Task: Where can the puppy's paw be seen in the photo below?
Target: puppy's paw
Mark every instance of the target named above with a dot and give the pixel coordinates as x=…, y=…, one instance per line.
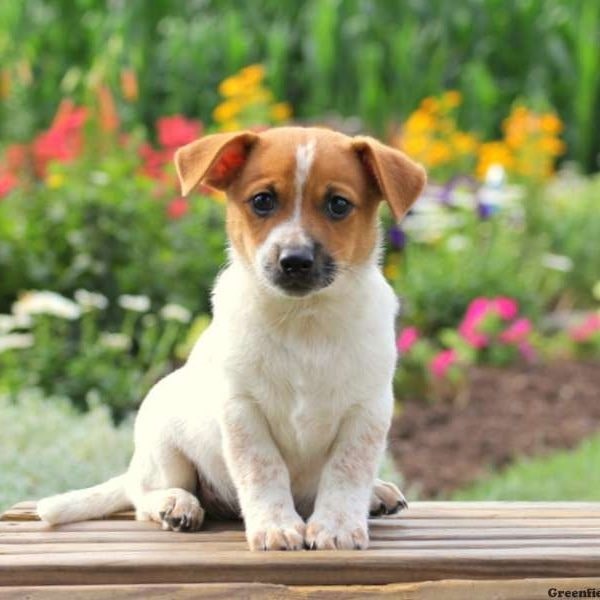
x=180, y=511
x=286, y=535
x=336, y=533
x=386, y=499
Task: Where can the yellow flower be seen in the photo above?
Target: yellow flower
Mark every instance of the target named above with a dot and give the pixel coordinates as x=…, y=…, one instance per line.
x=438, y=153
x=253, y=74
x=414, y=145
x=553, y=146
x=281, y=111
x=419, y=121
x=232, y=86
x=464, y=143
x=452, y=98
x=226, y=111
x=391, y=270
x=258, y=96
x=231, y=126
x=55, y=180
x=430, y=104
x=493, y=153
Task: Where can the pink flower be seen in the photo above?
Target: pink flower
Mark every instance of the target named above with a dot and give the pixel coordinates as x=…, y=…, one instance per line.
x=507, y=308
x=441, y=362
x=585, y=330
x=7, y=183
x=516, y=332
x=178, y=208
x=177, y=131
x=407, y=339
x=476, y=312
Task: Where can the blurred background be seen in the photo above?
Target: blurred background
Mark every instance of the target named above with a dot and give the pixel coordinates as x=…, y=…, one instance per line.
x=105, y=271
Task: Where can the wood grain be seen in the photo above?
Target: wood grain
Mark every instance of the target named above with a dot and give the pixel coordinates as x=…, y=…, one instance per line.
x=521, y=589
x=436, y=542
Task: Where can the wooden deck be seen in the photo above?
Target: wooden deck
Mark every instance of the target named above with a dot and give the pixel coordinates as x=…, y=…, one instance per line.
x=449, y=549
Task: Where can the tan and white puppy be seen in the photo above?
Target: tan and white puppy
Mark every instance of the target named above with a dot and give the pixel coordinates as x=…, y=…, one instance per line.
x=282, y=410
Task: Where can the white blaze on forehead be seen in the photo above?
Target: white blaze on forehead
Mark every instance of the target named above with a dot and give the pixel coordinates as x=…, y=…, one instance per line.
x=291, y=232
x=305, y=155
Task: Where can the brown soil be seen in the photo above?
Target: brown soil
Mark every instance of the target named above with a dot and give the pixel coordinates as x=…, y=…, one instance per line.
x=521, y=411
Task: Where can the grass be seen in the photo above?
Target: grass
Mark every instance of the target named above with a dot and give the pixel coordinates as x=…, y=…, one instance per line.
x=564, y=475
x=47, y=447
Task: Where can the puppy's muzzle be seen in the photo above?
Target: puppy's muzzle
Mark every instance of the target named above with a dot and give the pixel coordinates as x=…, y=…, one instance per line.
x=303, y=268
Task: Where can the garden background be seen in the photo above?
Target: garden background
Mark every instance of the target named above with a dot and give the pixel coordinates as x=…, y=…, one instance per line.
x=105, y=271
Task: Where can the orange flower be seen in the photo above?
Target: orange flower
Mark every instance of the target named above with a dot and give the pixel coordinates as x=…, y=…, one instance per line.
x=550, y=123
x=109, y=119
x=129, y=85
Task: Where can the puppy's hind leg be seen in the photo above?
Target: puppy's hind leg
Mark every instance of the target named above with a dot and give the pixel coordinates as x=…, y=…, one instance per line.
x=162, y=486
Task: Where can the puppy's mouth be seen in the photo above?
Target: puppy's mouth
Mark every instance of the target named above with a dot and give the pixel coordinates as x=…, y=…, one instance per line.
x=301, y=270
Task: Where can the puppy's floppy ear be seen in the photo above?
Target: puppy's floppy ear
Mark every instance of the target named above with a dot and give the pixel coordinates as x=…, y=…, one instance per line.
x=398, y=178
x=214, y=159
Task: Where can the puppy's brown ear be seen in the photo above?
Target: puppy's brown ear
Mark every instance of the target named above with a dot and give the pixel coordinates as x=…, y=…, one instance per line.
x=214, y=159
x=398, y=178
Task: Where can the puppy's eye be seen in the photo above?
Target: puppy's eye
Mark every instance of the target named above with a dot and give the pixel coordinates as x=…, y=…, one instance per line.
x=338, y=207
x=263, y=204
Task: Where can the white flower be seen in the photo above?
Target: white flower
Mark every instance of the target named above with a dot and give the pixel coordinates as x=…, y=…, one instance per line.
x=14, y=341
x=7, y=323
x=176, y=312
x=115, y=341
x=557, y=262
x=134, y=303
x=88, y=300
x=456, y=243
x=46, y=303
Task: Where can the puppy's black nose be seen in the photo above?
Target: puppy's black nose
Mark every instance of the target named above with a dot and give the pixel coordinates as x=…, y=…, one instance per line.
x=297, y=262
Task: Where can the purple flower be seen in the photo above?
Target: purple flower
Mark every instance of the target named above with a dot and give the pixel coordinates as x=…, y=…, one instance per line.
x=485, y=210
x=397, y=237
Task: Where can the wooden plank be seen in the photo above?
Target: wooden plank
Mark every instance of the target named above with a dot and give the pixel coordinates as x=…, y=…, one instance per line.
x=24, y=511
x=522, y=589
x=296, y=568
x=156, y=535
x=378, y=527
x=241, y=546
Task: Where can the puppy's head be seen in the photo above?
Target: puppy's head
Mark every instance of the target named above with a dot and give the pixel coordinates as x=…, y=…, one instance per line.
x=302, y=202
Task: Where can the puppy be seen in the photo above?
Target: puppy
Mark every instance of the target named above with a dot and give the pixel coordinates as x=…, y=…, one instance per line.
x=282, y=410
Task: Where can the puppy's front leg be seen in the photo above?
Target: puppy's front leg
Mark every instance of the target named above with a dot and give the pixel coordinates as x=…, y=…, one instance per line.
x=342, y=505
x=262, y=480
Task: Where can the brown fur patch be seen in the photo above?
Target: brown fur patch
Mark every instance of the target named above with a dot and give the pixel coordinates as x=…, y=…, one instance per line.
x=336, y=169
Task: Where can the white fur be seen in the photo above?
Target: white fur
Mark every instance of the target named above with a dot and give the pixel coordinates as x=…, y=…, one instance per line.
x=305, y=156
x=282, y=407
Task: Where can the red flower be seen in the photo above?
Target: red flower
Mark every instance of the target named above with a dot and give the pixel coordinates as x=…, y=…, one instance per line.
x=178, y=208
x=177, y=131
x=16, y=157
x=154, y=161
x=7, y=183
x=63, y=141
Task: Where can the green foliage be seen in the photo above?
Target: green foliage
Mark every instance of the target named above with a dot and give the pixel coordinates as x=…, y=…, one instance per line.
x=46, y=447
x=393, y=55
x=88, y=357
x=564, y=475
x=104, y=228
